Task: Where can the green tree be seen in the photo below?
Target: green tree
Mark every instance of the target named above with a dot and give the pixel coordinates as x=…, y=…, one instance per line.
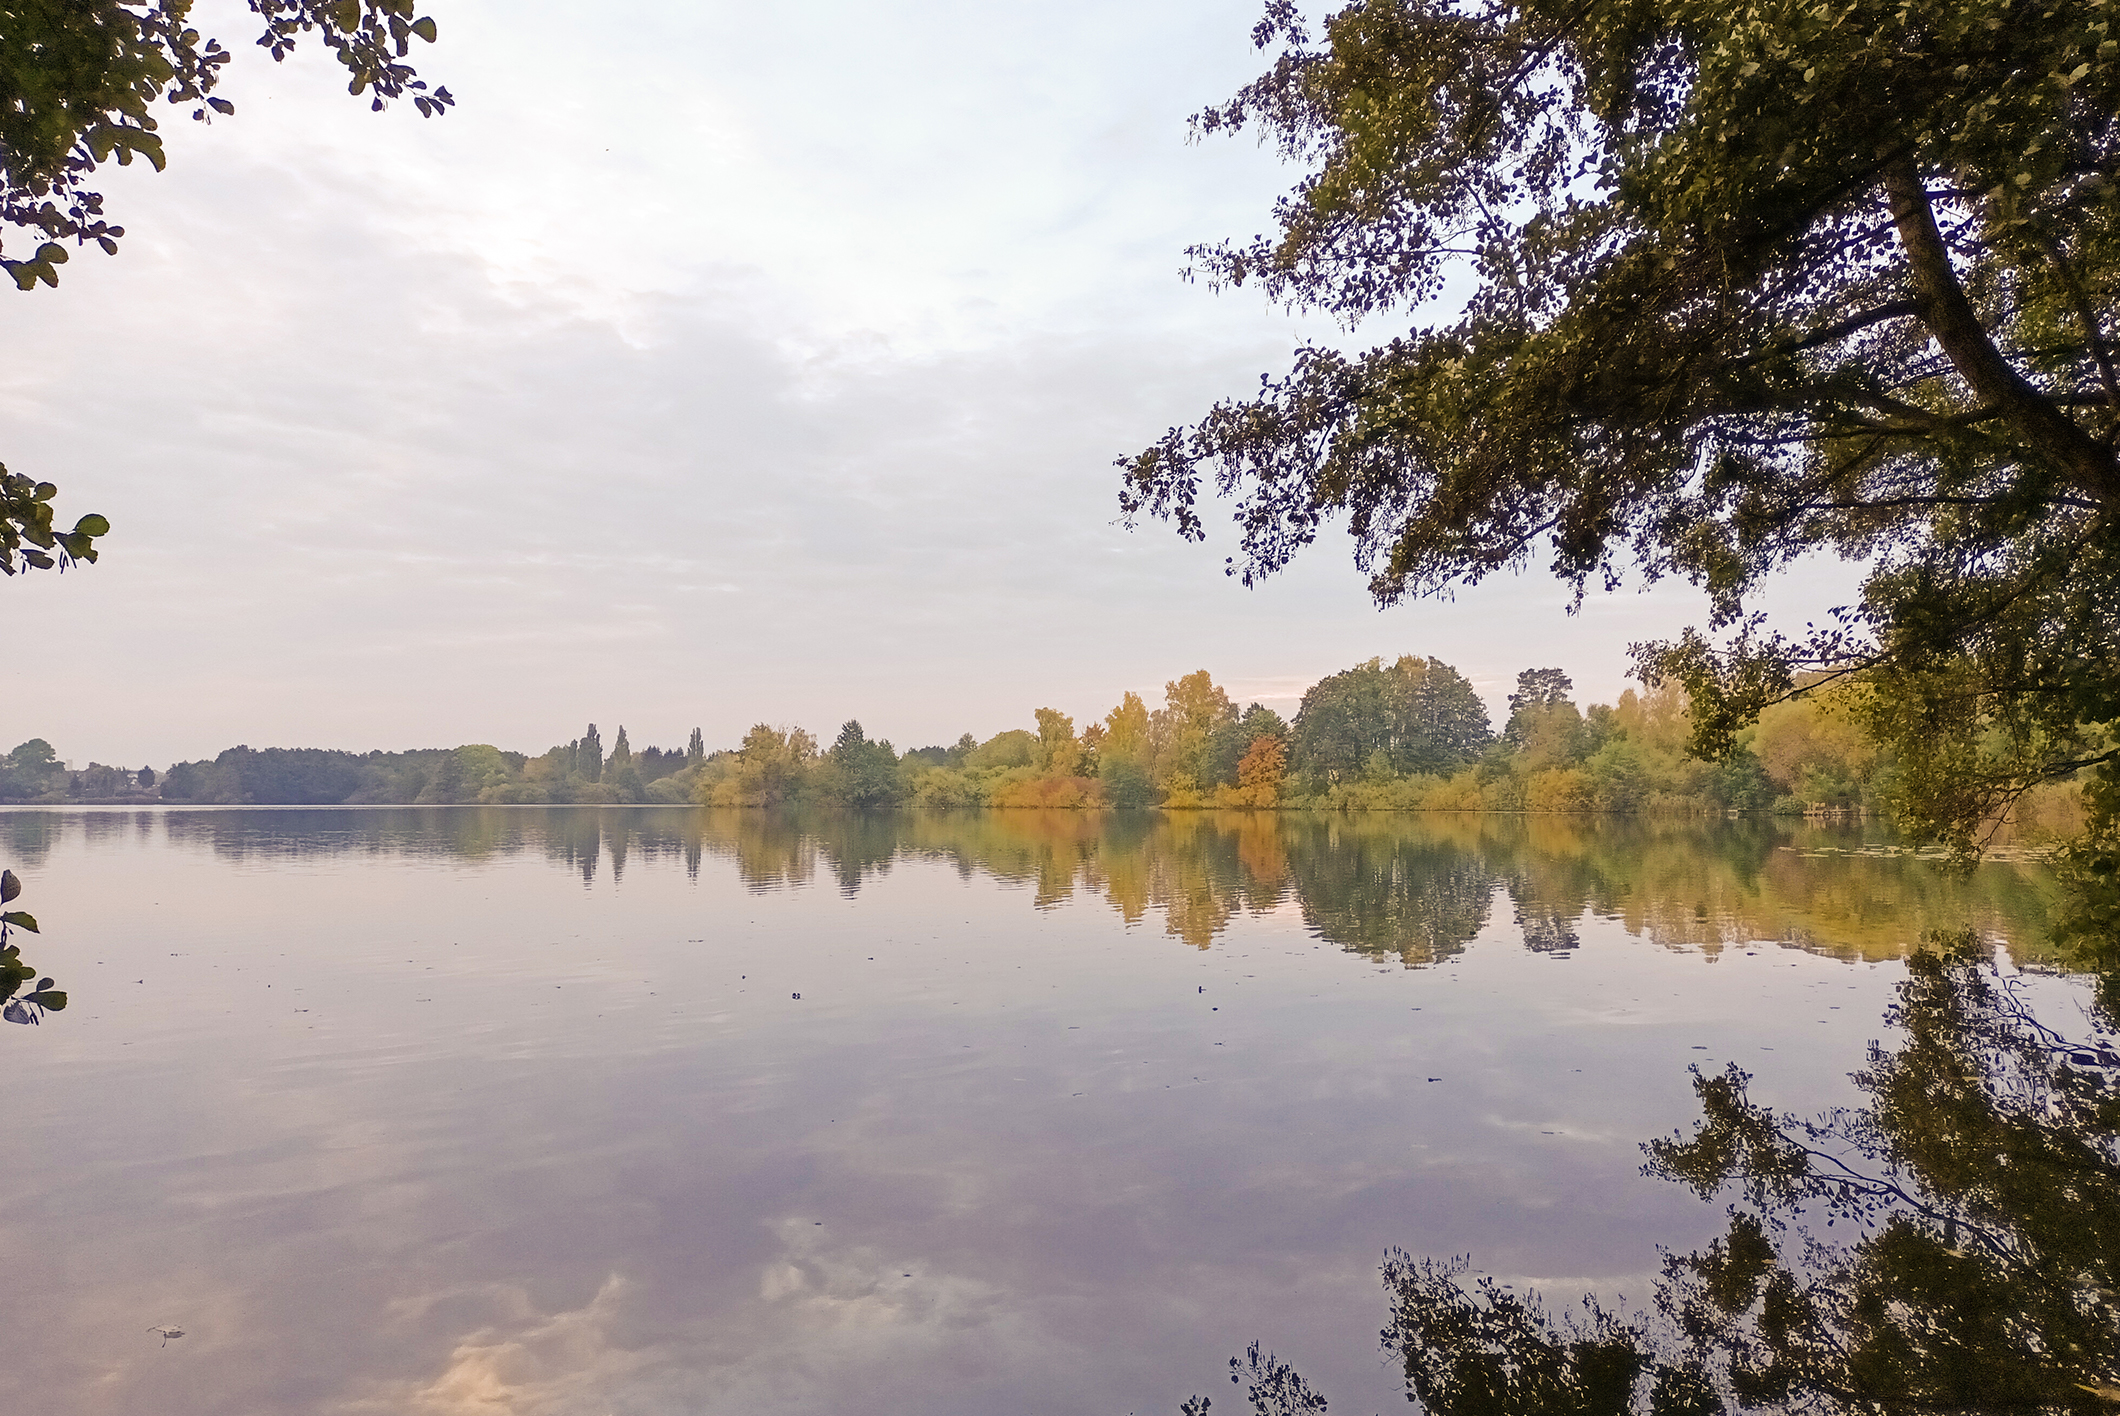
x=1421, y=715
x=31, y=770
x=1342, y=720
x=1437, y=722
x=696, y=749
x=1745, y=283
x=1540, y=688
x=622, y=772
x=446, y=783
x=1545, y=727
x=867, y=772
x=1011, y=748
x=589, y=755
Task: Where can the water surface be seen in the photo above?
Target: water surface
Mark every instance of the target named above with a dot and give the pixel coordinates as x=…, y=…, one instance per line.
x=578, y=1110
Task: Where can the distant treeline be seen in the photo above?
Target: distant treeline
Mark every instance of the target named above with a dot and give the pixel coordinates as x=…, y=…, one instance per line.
x=1409, y=735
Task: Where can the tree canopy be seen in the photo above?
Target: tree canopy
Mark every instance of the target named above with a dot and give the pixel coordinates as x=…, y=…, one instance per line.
x=1742, y=283
x=1421, y=714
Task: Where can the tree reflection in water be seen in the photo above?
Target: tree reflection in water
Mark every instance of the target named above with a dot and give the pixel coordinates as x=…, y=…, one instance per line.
x=1415, y=887
x=1973, y=1204
x=1947, y=1247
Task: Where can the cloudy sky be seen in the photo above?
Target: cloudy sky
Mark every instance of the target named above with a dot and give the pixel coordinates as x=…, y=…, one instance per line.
x=710, y=364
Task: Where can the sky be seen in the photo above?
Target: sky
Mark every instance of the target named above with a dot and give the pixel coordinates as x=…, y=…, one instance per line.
x=709, y=364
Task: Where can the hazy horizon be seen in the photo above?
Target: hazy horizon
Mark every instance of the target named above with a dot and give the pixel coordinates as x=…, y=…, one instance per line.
x=711, y=367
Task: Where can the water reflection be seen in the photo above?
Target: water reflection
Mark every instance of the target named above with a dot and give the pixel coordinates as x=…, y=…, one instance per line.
x=1417, y=888
x=898, y=1113
x=1951, y=1244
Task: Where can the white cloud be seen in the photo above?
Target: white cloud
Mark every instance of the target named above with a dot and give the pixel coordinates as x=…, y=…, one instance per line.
x=710, y=364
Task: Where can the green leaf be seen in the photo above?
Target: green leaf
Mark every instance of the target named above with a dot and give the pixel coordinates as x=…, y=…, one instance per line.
x=54, y=999
x=20, y=919
x=424, y=28
x=92, y=525
x=53, y=252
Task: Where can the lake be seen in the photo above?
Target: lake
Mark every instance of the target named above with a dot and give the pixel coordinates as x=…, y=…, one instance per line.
x=615, y=1111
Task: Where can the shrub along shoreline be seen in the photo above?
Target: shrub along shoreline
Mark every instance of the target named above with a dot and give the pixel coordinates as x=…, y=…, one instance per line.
x=1406, y=736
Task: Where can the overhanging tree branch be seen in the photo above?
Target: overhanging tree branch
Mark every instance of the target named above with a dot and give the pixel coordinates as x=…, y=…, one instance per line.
x=1950, y=317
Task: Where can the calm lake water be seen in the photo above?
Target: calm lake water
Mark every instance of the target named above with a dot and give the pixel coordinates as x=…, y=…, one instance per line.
x=594, y=1111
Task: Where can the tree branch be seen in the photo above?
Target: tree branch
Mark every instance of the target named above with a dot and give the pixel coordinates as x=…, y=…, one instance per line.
x=2092, y=334
x=1950, y=318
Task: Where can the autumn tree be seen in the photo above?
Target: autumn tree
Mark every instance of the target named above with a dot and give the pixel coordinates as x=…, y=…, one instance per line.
x=1126, y=754
x=1058, y=751
x=1228, y=745
x=772, y=764
x=1744, y=283
x=1260, y=771
x=1194, y=707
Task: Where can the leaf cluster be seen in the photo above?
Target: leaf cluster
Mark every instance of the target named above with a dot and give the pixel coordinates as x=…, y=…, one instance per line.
x=79, y=80
x=41, y=997
x=28, y=535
